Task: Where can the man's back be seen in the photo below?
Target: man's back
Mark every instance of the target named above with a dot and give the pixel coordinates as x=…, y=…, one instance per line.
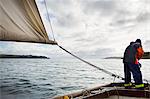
x=130, y=53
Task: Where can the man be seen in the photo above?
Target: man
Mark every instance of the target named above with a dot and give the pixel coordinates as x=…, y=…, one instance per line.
x=132, y=55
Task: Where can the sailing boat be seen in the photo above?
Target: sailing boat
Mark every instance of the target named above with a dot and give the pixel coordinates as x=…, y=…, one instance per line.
x=20, y=21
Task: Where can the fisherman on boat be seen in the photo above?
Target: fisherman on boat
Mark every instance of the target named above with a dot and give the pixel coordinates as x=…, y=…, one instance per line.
x=133, y=53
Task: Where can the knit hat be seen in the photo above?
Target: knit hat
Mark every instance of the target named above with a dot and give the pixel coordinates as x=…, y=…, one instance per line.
x=138, y=40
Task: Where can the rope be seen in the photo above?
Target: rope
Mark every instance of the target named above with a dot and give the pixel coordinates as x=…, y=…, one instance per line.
x=114, y=79
x=85, y=93
x=116, y=89
x=103, y=70
x=49, y=20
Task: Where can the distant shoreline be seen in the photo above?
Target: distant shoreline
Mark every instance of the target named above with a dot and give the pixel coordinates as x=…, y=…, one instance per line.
x=23, y=56
x=145, y=56
x=120, y=58
x=113, y=58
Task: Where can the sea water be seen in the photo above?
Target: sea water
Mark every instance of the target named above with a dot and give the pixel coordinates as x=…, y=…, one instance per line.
x=46, y=78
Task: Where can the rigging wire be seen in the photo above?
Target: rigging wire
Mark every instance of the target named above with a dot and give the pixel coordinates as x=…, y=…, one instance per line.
x=49, y=20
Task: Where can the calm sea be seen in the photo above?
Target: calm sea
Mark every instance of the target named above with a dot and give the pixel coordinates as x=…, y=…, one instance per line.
x=46, y=78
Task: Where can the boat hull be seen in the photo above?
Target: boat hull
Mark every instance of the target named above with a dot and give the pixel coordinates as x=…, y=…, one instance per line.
x=110, y=91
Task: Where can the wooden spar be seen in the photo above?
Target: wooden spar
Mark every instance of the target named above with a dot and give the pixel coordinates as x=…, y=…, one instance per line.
x=50, y=42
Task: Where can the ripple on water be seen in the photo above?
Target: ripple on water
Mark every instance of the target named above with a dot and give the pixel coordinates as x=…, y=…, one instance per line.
x=42, y=79
x=68, y=88
x=24, y=80
x=20, y=91
x=47, y=84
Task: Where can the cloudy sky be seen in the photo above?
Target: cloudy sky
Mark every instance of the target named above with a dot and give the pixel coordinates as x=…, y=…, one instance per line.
x=94, y=28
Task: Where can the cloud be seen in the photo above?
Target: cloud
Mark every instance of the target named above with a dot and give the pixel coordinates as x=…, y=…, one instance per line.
x=64, y=17
x=102, y=7
x=91, y=27
x=127, y=19
x=143, y=17
x=98, y=53
x=129, y=16
x=147, y=45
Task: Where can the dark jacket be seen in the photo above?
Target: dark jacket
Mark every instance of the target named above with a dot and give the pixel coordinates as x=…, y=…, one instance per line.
x=131, y=53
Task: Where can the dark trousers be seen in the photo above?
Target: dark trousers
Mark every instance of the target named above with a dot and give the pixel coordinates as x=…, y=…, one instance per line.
x=135, y=70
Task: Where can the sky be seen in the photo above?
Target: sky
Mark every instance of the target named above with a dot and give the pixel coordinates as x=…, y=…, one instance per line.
x=89, y=28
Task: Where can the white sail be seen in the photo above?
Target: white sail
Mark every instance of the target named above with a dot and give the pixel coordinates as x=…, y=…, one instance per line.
x=20, y=21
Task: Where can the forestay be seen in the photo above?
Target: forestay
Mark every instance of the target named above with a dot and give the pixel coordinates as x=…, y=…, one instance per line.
x=20, y=21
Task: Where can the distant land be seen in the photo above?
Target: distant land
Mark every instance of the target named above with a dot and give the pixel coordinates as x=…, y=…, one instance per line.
x=21, y=56
x=113, y=58
x=145, y=56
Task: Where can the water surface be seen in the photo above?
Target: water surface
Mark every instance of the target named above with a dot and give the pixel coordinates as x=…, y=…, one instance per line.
x=46, y=78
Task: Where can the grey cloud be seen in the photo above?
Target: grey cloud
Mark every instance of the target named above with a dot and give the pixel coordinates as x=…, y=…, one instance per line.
x=104, y=7
x=124, y=17
x=143, y=17
x=54, y=3
x=93, y=39
x=124, y=22
x=147, y=2
x=60, y=11
x=83, y=40
x=103, y=51
x=75, y=36
x=121, y=18
x=67, y=20
x=100, y=53
x=147, y=44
